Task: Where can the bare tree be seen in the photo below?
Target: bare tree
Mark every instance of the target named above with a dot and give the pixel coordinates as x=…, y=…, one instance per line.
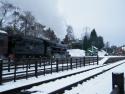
x=69, y=38
x=28, y=21
x=4, y=10
x=70, y=34
x=38, y=30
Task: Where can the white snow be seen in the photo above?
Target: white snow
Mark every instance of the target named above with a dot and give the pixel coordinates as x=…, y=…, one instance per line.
x=101, y=62
x=1, y=31
x=102, y=53
x=23, y=82
x=76, y=52
x=81, y=53
x=101, y=84
x=55, y=85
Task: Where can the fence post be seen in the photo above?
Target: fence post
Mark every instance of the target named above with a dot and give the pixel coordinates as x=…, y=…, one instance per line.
x=57, y=62
x=71, y=63
x=29, y=63
x=1, y=69
x=84, y=61
x=97, y=59
x=93, y=60
x=26, y=67
x=44, y=66
x=23, y=63
x=62, y=64
x=40, y=62
x=80, y=61
x=36, y=69
x=51, y=65
x=88, y=60
x=118, y=80
x=76, y=63
x=67, y=63
x=15, y=68
x=9, y=61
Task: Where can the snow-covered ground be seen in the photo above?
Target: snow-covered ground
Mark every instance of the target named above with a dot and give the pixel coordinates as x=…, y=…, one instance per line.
x=24, y=82
x=101, y=62
x=81, y=53
x=101, y=84
x=102, y=53
x=76, y=52
x=55, y=85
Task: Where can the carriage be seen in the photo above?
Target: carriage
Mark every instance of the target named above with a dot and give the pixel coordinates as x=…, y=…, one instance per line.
x=27, y=46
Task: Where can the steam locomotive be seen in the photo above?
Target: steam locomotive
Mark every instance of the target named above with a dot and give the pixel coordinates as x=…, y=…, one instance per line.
x=24, y=46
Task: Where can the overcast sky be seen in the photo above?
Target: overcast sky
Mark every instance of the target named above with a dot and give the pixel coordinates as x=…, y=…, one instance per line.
x=106, y=16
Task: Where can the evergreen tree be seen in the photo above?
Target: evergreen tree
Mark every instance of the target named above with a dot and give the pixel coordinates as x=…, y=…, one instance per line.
x=93, y=38
x=66, y=39
x=100, y=42
x=85, y=43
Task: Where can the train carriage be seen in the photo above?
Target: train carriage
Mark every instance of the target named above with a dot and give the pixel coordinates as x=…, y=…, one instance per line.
x=26, y=46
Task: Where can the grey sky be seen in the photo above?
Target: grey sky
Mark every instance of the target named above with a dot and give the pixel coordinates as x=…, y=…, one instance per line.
x=106, y=16
x=46, y=12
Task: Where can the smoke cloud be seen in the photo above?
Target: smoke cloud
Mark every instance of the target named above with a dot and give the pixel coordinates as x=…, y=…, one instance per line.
x=46, y=12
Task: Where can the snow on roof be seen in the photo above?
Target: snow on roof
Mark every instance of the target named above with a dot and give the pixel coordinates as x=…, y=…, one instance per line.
x=76, y=52
x=90, y=51
x=94, y=47
x=1, y=31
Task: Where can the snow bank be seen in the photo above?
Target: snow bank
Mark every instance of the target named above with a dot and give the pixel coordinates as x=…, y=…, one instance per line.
x=102, y=53
x=81, y=53
x=101, y=62
x=76, y=52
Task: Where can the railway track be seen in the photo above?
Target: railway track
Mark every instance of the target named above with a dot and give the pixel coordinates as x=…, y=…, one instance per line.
x=98, y=70
x=82, y=77
x=47, y=81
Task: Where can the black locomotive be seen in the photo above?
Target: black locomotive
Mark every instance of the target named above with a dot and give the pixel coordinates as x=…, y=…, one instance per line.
x=26, y=46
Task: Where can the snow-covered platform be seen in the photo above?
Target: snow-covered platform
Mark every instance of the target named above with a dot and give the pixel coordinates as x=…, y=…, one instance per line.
x=33, y=80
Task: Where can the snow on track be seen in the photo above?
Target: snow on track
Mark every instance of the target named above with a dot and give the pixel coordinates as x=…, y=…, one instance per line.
x=60, y=83
x=32, y=80
x=101, y=84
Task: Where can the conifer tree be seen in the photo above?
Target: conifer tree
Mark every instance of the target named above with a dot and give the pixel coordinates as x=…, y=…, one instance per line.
x=100, y=42
x=94, y=38
x=85, y=43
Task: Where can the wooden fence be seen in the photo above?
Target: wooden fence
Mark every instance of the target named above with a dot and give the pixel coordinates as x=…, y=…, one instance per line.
x=29, y=67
